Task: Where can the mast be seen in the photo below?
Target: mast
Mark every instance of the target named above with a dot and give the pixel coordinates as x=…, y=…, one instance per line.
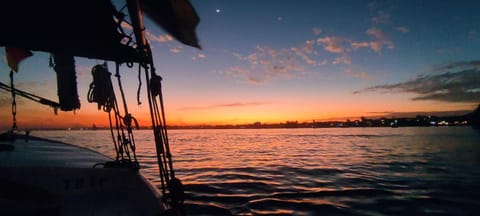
x=136, y=19
x=175, y=194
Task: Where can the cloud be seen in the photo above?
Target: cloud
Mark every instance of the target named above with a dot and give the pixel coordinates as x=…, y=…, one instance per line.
x=308, y=47
x=268, y=63
x=357, y=45
x=317, y=31
x=83, y=71
x=331, y=44
x=198, y=56
x=380, y=40
x=381, y=17
x=460, y=64
x=159, y=39
x=343, y=59
x=149, y=35
x=20, y=101
x=5, y=99
x=175, y=50
x=305, y=51
x=125, y=25
x=460, y=86
x=265, y=63
x=358, y=74
x=324, y=62
x=473, y=35
x=227, y=105
x=377, y=33
x=237, y=55
x=168, y=37
x=402, y=29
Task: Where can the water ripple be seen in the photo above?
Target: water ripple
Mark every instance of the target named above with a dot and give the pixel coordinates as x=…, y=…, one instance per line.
x=336, y=171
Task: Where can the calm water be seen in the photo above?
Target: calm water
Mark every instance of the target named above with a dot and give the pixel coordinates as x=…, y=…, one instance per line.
x=341, y=171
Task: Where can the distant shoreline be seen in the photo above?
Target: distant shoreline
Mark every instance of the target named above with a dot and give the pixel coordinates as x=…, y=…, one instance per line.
x=418, y=121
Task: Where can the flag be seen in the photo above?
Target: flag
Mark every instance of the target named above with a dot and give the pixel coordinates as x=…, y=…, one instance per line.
x=15, y=56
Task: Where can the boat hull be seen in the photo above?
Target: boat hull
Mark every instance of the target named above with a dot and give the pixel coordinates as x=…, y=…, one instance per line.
x=44, y=177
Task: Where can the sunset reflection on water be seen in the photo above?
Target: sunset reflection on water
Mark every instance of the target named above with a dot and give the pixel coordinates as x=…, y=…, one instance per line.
x=340, y=171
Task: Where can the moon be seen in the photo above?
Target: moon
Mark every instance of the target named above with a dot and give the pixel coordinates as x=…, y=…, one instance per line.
x=217, y=10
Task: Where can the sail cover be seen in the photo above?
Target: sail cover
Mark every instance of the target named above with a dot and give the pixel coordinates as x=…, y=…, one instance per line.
x=177, y=17
x=83, y=28
x=86, y=28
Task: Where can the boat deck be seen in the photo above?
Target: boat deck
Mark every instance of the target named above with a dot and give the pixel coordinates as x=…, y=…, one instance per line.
x=27, y=151
x=45, y=177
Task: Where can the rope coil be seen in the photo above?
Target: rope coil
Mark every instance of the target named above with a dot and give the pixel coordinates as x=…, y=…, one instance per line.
x=101, y=89
x=101, y=92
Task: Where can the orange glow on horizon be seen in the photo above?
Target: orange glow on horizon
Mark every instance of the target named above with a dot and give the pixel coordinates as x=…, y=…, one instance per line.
x=43, y=117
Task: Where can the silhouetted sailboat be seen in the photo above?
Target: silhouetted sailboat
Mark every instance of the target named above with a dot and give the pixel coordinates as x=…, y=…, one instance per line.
x=47, y=177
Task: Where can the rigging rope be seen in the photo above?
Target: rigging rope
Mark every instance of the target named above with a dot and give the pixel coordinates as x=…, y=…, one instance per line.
x=127, y=119
x=139, y=84
x=30, y=96
x=14, y=103
x=175, y=195
x=101, y=92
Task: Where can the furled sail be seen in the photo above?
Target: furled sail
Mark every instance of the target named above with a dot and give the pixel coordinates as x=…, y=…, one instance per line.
x=87, y=28
x=177, y=17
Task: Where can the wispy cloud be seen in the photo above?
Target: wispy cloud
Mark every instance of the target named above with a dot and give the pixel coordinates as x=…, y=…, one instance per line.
x=83, y=71
x=357, y=45
x=175, y=50
x=226, y=105
x=456, y=65
x=402, y=29
x=342, y=60
x=42, y=87
x=158, y=38
x=198, y=56
x=267, y=63
x=380, y=40
x=331, y=44
x=125, y=25
x=5, y=99
x=149, y=35
x=357, y=74
x=381, y=17
x=460, y=86
x=473, y=35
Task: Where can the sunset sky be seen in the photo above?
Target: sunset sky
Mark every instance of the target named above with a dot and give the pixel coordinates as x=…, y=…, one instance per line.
x=274, y=61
